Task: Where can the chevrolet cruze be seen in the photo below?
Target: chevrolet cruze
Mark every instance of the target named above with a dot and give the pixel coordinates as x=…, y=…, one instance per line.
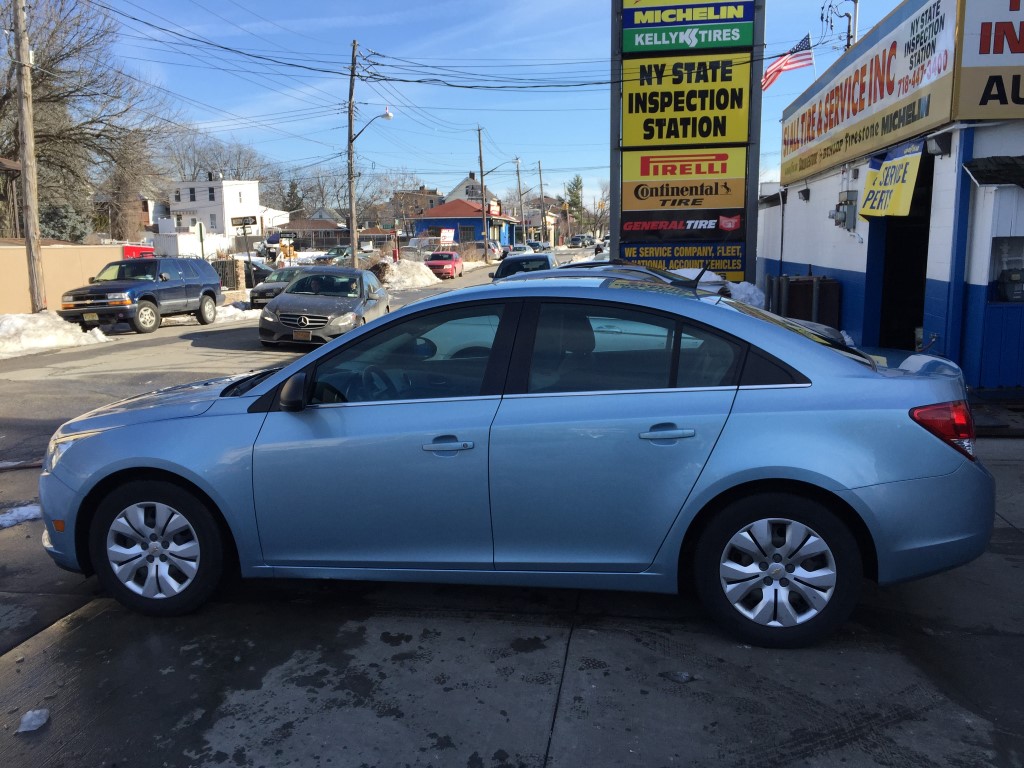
x=574, y=432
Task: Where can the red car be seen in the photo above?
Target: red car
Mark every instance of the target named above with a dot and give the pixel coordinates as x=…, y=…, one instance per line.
x=445, y=264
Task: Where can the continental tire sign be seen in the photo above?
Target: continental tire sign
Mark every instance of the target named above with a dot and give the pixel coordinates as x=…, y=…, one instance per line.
x=694, y=101
x=678, y=180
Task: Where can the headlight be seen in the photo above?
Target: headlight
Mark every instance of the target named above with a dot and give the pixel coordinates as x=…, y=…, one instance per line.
x=349, y=318
x=267, y=314
x=122, y=299
x=67, y=298
x=58, y=446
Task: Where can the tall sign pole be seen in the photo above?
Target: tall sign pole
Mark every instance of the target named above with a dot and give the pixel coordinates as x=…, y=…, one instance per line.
x=683, y=128
x=483, y=198
x=353, y=226
x=30, y=187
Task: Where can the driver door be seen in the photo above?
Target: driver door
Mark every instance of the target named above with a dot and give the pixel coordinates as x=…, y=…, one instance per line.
x=387, y=466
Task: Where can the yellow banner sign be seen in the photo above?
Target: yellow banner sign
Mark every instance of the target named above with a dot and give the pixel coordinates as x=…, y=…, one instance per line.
x=691, y=101
x=889, y=188
x=896, y=83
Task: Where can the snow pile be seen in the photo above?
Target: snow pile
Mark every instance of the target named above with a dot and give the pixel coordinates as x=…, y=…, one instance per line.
x=405, y=275
x=747, y=293
x=229, y=313
x=19, y=515
x=44, y=330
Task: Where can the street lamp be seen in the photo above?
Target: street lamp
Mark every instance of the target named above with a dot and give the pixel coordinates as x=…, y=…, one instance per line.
x=352, y=136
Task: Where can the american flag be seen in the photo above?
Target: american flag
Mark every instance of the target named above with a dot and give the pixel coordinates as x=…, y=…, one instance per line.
x=800, y=55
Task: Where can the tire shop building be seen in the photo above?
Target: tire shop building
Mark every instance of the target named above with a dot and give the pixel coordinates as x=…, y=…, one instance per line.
x=902, y=189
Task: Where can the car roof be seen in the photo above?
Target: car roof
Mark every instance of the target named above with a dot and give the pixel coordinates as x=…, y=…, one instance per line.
x=316, y=269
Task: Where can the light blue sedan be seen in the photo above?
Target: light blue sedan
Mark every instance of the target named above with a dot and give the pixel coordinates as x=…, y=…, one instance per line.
x=574, y=432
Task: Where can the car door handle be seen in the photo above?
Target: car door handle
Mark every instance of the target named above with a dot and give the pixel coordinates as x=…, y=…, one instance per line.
x=668, y=434
x=457, y=445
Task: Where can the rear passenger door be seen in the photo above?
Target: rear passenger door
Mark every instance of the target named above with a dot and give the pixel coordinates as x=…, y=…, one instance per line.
x=171, y=293
x=193, y=282
x=603, y=434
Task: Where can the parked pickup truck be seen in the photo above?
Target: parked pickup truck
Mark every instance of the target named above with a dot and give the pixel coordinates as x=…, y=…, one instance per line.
x=142, y=291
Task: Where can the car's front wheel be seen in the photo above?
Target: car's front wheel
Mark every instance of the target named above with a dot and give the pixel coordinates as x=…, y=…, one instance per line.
x=147, y=317
x=207, y=311
x=156, y=548
x=778, y=570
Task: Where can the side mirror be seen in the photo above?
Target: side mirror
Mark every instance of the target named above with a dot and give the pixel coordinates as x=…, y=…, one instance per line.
x=92, y=280
x=293, y=393
x=491, y=274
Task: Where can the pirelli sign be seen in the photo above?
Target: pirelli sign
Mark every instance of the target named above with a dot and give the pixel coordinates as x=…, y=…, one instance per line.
x=683, y=180
x=685, y=131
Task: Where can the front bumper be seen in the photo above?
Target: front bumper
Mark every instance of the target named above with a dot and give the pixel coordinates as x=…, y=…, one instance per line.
x=58, y=502
x=99, y=315
x=276, y=332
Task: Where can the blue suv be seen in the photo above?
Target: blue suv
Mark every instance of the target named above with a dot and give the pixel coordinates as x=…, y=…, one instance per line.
x=142, y=291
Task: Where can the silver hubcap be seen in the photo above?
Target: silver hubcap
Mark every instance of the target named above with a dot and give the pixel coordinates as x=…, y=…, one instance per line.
x=778, y=572
x=153, y=550
x=147, y=316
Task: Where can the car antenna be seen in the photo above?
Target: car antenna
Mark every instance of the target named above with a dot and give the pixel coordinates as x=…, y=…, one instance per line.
x=693, y=283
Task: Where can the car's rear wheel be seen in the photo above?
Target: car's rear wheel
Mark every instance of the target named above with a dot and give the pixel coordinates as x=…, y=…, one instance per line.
x=147, y=317
x=207, y=311
x=156, y=548
x=778, y=570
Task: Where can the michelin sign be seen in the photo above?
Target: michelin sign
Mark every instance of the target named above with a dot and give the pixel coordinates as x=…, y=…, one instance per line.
x=654, y=26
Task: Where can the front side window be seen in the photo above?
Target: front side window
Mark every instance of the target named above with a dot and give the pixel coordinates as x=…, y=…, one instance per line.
x=436, y=355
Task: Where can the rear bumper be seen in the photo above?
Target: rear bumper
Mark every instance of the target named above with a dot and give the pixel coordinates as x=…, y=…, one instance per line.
x=926, y=526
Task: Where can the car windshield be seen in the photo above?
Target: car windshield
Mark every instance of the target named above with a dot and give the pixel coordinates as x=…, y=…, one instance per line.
x=283, y=275
x=326, y=285
x=128, y=270
x=440, y=257
x=520, y=265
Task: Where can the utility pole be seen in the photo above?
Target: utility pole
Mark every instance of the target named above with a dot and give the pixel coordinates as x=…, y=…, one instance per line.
x=30, y=187
x=353, y=227
x=483, y=201
x=522, y=211
x=543, y=208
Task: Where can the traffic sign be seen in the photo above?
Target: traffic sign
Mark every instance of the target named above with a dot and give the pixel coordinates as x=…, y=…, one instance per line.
x=243, y=221
x=289, y=235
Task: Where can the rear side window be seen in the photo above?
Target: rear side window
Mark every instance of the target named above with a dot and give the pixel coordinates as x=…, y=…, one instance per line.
x=187, y=268
x=763, y=370
x=170, y=266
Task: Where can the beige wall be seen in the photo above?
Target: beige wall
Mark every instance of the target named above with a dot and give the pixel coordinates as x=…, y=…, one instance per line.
x=64, y=267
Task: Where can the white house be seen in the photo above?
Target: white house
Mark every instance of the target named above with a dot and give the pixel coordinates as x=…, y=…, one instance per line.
x=214, y=202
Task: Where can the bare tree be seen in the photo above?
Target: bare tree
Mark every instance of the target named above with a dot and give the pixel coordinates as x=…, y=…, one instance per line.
x=85, y=105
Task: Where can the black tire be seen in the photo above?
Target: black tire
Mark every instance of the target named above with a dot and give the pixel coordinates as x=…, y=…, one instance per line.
x=147, y=317
x=161, y=574
x=782, y=617
x=207, y=312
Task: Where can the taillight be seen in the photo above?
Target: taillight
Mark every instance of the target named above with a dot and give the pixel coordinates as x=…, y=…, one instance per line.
x=951, y=422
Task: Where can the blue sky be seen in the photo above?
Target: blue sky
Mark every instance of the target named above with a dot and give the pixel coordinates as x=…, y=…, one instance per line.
x=291, y=110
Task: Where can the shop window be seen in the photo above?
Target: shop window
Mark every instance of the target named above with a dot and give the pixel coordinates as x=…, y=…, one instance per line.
x=1008, y=268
